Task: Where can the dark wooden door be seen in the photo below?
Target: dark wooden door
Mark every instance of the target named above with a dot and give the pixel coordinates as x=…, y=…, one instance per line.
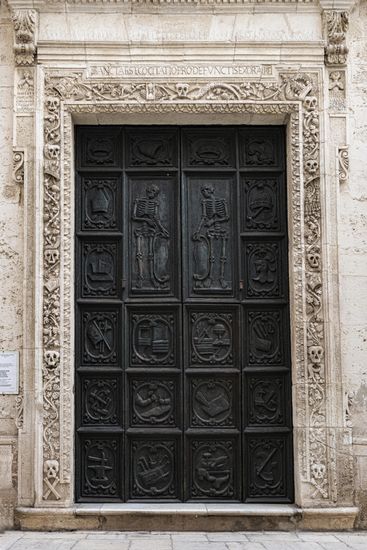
x=183, y=382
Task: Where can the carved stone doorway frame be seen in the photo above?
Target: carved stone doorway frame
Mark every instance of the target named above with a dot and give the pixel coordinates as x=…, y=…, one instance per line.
x=294, y=99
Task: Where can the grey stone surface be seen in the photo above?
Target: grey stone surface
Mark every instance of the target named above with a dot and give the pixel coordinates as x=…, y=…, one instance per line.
x=99, y=540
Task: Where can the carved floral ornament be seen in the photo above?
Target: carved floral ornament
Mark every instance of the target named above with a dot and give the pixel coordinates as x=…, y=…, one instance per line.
x=24, y=36
x=72, y=93
x=336, y=50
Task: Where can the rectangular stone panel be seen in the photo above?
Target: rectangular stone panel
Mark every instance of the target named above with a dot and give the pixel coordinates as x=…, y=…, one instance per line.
x=154, y=245
x=154, y=336
x=100, y=399
x=149, y=147
x=100, y=464
x=100, y=197
x=99, y=148
x=154, y=467
x=210, y=235
x=262, y=203
x=154, y=400
x=208, y=148
x=261, y=148
x=214, y=468
x=213, y=401
x=267, y=399
x=266, y=461
x=101, y=268
x=99, y=343
x=212, y=336
x=266, y=336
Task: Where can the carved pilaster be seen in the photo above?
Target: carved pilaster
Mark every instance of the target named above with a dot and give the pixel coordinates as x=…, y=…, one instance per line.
x=25, y=36
x=336, y=24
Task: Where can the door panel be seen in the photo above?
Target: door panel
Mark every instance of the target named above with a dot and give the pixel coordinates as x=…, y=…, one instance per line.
x=183, y=381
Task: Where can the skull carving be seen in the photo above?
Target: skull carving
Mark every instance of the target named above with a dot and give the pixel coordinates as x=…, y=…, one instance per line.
x=51, y=469
x=316, y=353
x=313, y=259
x=52, y=255
x=52, y=358
x=182, y=89
x=312, y=166
x=52, y=151
x=318, y=470
x=310, y=103
x=52, y=103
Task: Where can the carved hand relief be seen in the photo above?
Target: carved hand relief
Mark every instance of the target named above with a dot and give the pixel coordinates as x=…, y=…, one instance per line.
x=212, y=334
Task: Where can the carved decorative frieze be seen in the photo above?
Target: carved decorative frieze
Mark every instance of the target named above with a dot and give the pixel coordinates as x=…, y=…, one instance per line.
x=81, y=95
x=25, y=31
x=336, y=49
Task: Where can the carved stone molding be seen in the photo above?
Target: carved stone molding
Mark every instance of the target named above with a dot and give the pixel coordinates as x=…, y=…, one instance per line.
x=18, y=166
x=25, y=36
x=294, y=95
x=343, y=164
x=336, y=49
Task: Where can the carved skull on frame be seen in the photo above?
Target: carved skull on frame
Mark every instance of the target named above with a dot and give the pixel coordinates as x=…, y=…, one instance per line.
x=316, y=354
x=318, y=470
x=52, y=357
x=51, y=468
x=310, y=103
x=312, y=166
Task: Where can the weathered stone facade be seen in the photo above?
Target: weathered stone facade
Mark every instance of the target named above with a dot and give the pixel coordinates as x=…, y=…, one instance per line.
x=301, y=64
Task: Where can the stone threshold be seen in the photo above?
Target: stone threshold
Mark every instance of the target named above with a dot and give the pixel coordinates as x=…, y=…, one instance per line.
x=185, y=517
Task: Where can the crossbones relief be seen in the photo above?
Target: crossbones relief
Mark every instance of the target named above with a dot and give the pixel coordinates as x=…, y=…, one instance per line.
x=51, y=479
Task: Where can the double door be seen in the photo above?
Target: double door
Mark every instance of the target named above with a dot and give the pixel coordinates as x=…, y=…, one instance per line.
x=183, y=386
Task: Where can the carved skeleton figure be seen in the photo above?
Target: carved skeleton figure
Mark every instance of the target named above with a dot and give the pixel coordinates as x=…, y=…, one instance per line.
x=150, y=229
x=212, y=227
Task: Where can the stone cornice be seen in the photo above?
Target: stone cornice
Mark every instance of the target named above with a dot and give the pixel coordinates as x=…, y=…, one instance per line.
x=39, y=4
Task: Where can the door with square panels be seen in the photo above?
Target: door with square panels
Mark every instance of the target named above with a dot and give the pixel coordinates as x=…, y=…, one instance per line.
x=183, y=375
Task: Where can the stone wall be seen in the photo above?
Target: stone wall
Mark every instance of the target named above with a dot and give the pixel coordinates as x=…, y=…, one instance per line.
x=353, y=253
x=11, y=266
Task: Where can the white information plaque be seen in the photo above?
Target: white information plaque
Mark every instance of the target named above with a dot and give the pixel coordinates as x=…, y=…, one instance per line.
x=9, y=372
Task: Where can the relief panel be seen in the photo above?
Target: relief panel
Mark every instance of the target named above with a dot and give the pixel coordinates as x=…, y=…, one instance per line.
x=153, y=235
x=266, y=335
x=101, y=204
x=101, y=263
x=260, y=148
x=213, y=401
x=100, y=398
x=210, y=236
x=153, y=337
x=101, y=467
x=214, y=467
x=154, y=468
x=209, y=148
x=99, y=336
x=263, y=270
x=99, y=148
x=154, y=401
x=266, y=399
x=266, y=468
x=261, y=199
x=212, y=337
x=150, y=148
